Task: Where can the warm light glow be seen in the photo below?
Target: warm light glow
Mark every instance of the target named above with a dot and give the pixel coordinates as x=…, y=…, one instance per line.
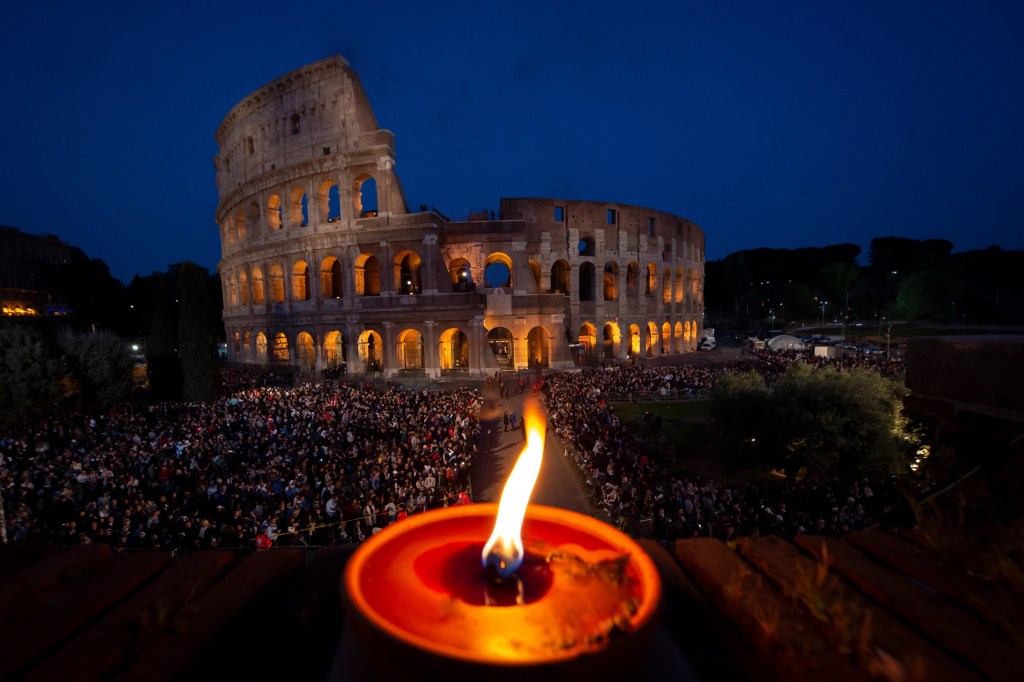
x=503, y=552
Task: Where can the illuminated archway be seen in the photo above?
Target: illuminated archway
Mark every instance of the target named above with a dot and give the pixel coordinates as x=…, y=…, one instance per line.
x=610, y=339
x=410, y=349
x=537, y=347
x=364, y=196
x=634, y=340
x=611, y=281
x=680, y=347
x=406, y=267
x=503, y=346
x=498, y=270
x=652, y=339
x=680, y=285
x=280, y=350
x=454, y=349
x=305, y=352
x=461, y=273
x=331, y=282
x=687, y=333
x=334, y=349
x=652, y=279
x=330, y=201
x=560, y=277
x=371, y=351
x=367, y=275
x=587, y=339
x=535, y=270
x=274, y=212
x=300, y=281
x=666, y=338
x=257, y=286
x=261, y=349
x=276, y=283
x=298, y=207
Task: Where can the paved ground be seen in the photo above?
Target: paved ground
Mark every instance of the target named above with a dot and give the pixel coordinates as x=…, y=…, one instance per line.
x=557, y=485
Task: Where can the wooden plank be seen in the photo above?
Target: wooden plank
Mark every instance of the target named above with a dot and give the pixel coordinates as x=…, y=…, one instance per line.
x=198, y=624
x=790, y=644
x=932, y=567
x=60, y=612
x=116, y=639
x=879, y=642
x=19, y=591
x=949, y=626
x=697, y=626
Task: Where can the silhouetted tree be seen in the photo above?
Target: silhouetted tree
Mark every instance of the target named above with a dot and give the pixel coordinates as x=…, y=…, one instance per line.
x=162, y=363
x=30, y=372
x=100, y=364
x=197, y=342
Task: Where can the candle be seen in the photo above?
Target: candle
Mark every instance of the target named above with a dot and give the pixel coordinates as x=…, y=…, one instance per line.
x=452, y=590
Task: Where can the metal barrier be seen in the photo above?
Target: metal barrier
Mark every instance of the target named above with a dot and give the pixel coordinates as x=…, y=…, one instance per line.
x=652, y=396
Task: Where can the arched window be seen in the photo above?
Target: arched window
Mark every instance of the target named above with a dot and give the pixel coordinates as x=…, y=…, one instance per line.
x=305, y=352
x=610, y=338
x=461, y=274
x=334, y=349
x=298, y=208
x=410, y=349
x=300, y=281
x=666, y=338
x=586, y=246
x=634, y=340
x=281, y=348
x=243, y=287
x=586, y=281
x=454, y=350
x=330, y=202
x=330, y=278
x=276, y=284
x=371, y=351
x=407, y=267
x=274, y=212
x=587, y=340
x=560, y=277
x=367, y=275
x=666, y=286
x=498, y=270
x=652, y=279
x=679, y=347
x=611, y=281
x=258, y=295
x=364, y=193
x=680, y=285
x=503, y=346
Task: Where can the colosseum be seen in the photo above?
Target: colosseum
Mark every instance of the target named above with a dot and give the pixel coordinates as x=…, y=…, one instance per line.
x=324, y=266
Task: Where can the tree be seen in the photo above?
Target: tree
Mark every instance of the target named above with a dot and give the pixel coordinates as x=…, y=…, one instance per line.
x=929, y=294
x=197, y=343
x=100, y=363
x=839, y=278
x=162, y=363
x=30, y=372
x=831, y=423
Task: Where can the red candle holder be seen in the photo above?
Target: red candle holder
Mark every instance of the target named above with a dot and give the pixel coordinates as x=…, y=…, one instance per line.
x=584, y=602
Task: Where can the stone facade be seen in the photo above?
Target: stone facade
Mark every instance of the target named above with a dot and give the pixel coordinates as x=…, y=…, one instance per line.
x=323, y=264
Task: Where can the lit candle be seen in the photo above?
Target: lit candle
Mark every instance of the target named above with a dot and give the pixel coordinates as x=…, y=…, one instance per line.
x=568, y=596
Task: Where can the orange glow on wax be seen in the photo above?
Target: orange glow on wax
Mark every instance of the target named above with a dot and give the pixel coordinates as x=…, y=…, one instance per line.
x=503, y=552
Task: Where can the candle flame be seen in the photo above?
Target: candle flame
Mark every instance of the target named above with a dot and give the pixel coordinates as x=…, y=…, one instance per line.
x=503, y=552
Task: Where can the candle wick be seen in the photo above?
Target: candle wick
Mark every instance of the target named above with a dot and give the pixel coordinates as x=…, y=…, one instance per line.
x=497, y=588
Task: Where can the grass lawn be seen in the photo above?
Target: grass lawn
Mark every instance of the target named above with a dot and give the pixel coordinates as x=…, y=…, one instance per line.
x=683, y=423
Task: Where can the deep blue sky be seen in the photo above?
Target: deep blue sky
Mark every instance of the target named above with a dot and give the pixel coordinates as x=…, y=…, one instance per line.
x=779, y=124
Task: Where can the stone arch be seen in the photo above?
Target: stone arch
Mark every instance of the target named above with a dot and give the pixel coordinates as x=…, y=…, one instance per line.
x=237, y=339
x=246, y=346
x=453, y=352
x=371, y=351
x=280, y=349
x=329, y=198
x=535, y=269
x=666, y=286
x=274, y=212
x=410, y=349
x=331, y=281
x=407, y=267
x=632, y=279
x=276, y=283
x=364, y=196
x=687, y=332
x=666, y=338
x=610, y=338
x=261, y=349
x=240, y=227
x=298, y=207
x=666, y=252
x=300, y=281
x=680, y=285
x=560, y=277
x=254, y=213
x=233, y=290
x=694, y=279
x=258, y=293
x=652, y=339
x=680, y=347
x=587, y=281
x=243, y=287
x=634, y=340
x=367, y=275
x=305, y=352
x=502, y=344
x=652, y=279
x=537, y=351
x=587, y=340
x=334, y=349
x=461, y=272
x=498, y=270
x=611, y=281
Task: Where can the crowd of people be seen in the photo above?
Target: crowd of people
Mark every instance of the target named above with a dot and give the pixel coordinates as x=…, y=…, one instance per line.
x=636, y=490
x=316, y=465
x=334, y=463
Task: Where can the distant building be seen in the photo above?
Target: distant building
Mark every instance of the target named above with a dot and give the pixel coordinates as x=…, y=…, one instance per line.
x=323, y=264
x=24, y=262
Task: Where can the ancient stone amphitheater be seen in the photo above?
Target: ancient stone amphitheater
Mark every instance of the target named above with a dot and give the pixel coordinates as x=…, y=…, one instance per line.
x=325, y=267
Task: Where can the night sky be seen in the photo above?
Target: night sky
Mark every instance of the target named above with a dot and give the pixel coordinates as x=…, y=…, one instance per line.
x=777, y=124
